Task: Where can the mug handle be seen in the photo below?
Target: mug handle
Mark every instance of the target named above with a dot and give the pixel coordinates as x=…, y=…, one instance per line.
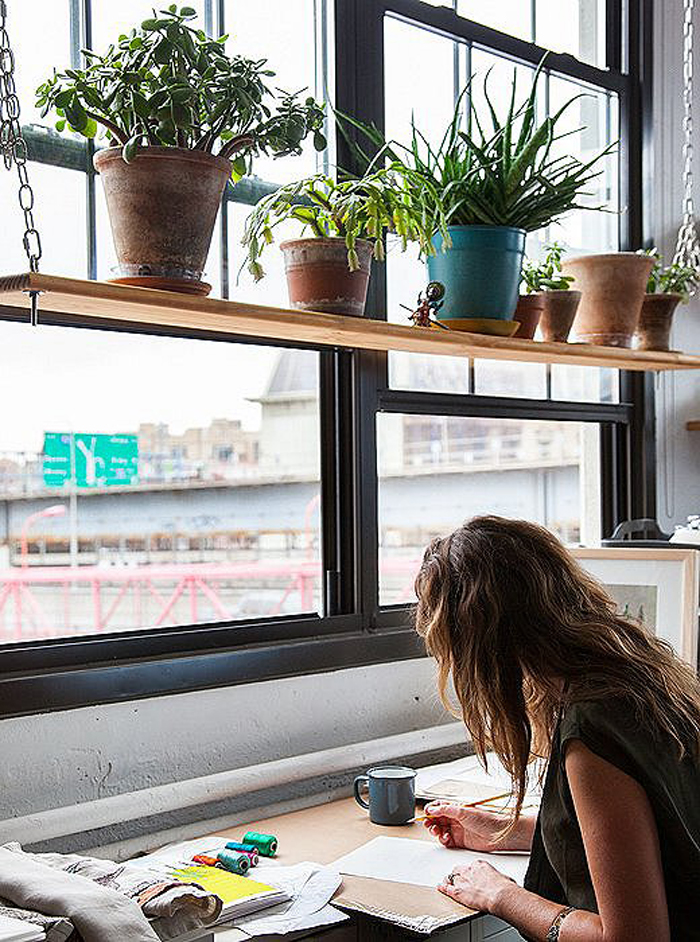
x=357, y=785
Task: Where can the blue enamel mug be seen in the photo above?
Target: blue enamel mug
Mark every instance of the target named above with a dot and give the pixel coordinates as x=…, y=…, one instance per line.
x=392, y=794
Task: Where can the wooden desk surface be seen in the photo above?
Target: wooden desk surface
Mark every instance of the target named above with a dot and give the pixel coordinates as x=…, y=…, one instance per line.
x=328, y=831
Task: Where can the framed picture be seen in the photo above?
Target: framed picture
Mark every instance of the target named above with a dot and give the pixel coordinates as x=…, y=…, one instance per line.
x=659, y=587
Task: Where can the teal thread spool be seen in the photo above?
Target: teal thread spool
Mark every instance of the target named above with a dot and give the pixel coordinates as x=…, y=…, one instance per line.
x=243, y=848
x=234, y=863
x=266, y=843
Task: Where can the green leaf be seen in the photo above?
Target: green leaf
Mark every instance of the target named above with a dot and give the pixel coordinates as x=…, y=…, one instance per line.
x=320, y=142
x=163, y=52
x=77, y=118
x=90, y=129
x=239, y=168
x=188, y=12
x=61, y=124
x=129, y=149
x=148, y=26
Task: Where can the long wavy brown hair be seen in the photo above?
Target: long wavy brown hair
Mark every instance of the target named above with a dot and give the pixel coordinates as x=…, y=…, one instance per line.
x=521, y=630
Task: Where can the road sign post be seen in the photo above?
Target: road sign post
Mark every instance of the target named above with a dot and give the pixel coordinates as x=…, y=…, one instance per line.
x=78, y=460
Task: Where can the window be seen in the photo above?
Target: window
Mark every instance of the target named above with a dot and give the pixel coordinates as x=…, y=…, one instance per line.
x=267, y=506
x=437, y=471
x=212, y=516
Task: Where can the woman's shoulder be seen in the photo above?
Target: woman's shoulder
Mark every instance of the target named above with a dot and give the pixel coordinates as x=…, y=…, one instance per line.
x=604, y=713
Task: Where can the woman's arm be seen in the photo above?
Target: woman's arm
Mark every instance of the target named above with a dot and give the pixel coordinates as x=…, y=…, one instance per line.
x=622, y=849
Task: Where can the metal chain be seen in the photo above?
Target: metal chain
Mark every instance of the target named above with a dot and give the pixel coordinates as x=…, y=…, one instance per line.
x=12, y=144
x=688, y=244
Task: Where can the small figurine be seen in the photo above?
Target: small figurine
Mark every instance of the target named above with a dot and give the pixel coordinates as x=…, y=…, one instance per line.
x=429, y=303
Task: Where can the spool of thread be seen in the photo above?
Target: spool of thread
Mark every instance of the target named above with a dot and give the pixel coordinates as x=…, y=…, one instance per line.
x=252, y=856
x=205, y=861
x=266, y=843
x=234, y=862
x=242, y=848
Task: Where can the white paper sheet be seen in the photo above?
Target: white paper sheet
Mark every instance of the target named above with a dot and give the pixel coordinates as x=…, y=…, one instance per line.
x=422, y=863
x=16, y=930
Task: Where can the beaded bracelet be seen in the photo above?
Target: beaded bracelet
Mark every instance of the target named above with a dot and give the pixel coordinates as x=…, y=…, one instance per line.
x=553, y=934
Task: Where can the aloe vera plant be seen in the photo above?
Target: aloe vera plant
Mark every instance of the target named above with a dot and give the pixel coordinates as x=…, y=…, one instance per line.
x=500, y=171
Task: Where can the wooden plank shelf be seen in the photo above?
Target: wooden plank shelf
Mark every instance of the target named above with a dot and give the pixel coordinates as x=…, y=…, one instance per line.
x=693, y=425
x=97, y=303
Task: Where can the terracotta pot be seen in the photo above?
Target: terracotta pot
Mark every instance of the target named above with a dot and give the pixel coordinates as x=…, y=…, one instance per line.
x=612, y=290
x=318, y=277
x=162, y=208
x=528, y=314
x=654, y=328
x=560, y=308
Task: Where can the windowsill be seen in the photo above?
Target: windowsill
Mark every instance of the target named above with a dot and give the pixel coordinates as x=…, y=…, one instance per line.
x=67, y=683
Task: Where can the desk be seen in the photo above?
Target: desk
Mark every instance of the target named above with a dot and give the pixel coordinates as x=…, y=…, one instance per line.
x=326, y=832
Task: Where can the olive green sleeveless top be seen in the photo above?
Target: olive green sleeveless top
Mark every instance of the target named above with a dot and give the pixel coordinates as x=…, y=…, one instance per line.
x=558, y=869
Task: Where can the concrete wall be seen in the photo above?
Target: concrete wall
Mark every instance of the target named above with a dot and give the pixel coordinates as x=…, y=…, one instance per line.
x=73, y=756
x=678, y=394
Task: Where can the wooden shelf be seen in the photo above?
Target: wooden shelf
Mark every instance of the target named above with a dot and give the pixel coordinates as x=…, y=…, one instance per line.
x=693, y=425
x=103, y=304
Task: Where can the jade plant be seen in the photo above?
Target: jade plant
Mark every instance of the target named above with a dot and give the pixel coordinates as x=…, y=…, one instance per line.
x=546, y=275
x=166, y=83
x=353, y=208
x=499, y=171
x=671, y=279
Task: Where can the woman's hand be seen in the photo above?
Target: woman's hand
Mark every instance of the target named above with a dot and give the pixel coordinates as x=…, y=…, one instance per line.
x=477, y=886
x=473, y=829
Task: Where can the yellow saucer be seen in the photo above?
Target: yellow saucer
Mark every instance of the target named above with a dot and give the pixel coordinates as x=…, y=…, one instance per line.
x=483, y=325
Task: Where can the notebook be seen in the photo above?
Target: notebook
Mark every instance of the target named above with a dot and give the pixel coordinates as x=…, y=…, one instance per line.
x=240, y=896
x=17, y=930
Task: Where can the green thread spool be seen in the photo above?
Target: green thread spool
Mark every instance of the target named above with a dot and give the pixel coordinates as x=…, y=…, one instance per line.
x=242, y=848
x=266, y=843
x=234, y=863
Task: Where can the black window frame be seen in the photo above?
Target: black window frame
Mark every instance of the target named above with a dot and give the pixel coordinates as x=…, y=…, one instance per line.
x=353, y=389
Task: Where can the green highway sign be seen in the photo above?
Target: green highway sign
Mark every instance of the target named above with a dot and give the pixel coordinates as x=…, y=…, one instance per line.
x=90, y=460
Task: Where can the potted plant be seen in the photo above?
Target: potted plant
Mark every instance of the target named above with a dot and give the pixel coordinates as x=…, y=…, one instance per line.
x=612, y=289
x=342, y=227
x=181, y=117
x=480, y=191
x=549, y=299
x=667, y=287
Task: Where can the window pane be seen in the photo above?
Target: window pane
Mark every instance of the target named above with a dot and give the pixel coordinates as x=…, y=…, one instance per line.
x=221, y=519
x=595, y=117
x=431, y=105
x=109, y=20
x=437, y=471
x=60, y=217
x=285, y=35
x=509, y=16
x=503, y=378
x=574, y=26
x=40, y=37
x=585, y=383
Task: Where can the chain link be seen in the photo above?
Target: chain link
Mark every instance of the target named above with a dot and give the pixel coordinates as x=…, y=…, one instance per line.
x=12, y=144
x=688, y=244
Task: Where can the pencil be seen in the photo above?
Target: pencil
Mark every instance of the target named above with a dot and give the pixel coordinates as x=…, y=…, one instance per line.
x=469, y=804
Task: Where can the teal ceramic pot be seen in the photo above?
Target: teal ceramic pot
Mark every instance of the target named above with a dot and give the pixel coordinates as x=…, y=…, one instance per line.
x=481, y=271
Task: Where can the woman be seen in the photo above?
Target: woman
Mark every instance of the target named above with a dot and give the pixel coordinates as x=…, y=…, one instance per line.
x=542, y=665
